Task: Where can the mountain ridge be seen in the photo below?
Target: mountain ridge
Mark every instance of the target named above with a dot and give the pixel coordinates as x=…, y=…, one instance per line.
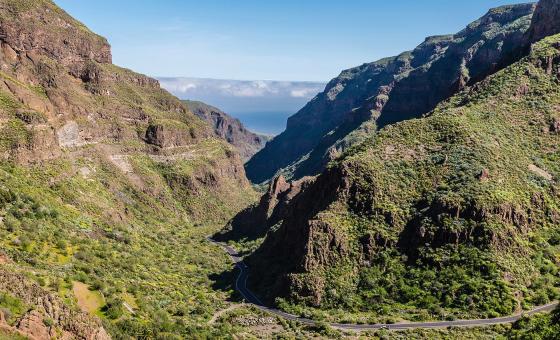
x=370, y=96
x=231, y=129
x=351, y=227
x=419, y=217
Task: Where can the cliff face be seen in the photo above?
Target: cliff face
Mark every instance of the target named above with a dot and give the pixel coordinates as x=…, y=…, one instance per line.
x=61, y=93
x=230, y=129
x=103, y=177
x=443, y=213
x=547, y=16
x=373, y=95
x=63, y=321
x=255, y=221
x=51, y=32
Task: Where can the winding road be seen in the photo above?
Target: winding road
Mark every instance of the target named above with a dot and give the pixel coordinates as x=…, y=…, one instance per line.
x=241, y=286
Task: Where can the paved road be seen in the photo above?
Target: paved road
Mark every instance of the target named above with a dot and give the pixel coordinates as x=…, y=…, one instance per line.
x=241, y=286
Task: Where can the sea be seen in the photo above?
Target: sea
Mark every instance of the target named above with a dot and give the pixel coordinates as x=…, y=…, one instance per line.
x=266, y=123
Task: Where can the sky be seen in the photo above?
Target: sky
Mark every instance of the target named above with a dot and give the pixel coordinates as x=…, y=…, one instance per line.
x=262, y=105
x=289, y=40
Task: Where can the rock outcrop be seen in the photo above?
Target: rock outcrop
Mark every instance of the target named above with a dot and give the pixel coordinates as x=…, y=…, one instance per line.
x=45, y=306
x=255, y=221
x=230, y=129
x=50, y=31
x=546, y=19
x=373, y=95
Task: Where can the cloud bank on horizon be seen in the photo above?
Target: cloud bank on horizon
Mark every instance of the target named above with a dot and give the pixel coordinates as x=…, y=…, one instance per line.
x=239, y=96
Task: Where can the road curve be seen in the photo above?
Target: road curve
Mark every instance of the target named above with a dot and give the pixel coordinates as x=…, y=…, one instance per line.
x=241, y=287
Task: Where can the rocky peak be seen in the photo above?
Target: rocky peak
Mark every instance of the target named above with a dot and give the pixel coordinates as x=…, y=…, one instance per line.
x=50, y=31
x=546, y=20
x=255, y=221
x=496, y=17
x=278, y=186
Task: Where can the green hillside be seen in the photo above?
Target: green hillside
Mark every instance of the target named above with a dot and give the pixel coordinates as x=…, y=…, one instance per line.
x=454, y=215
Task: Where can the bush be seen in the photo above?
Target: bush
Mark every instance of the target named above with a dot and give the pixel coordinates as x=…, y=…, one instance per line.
x=12, y=224
x=114, y=309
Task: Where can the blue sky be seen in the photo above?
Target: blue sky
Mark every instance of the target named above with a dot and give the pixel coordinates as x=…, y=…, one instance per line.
x=311, y=40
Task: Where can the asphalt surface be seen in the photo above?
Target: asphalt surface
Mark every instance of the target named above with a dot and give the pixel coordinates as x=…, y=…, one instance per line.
x=241, y=286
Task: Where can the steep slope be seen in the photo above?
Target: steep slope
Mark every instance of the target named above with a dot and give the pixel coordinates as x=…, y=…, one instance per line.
x=256, y=220
x=546, y=18
x=390, y=90
x=105, y=180
x=230, y=129
x=455, y=214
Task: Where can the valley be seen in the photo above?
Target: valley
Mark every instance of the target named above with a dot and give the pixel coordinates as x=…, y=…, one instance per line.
x=416, y=197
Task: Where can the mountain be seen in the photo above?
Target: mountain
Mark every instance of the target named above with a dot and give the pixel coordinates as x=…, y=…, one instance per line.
x=545, y=21
x=451, y=215
x=229, y=128
x=108, y=187
x=371, y=96
x=256, y=220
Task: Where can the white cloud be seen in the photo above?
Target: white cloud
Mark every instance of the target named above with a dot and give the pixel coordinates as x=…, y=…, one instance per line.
x=186, y=87
x=242, y=88
x=303, y=92
x=245, y=96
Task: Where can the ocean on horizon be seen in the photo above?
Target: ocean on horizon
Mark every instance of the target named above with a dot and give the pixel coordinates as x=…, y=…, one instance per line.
x=267, y=123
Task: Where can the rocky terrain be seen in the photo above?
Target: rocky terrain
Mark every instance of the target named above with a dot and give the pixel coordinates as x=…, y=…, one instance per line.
x=48, y=317
x=109, y=187
x=451, y=215
x=545, y=21
x=230, y=129
x=256, y=220
x=373, y=95
x=105, y=180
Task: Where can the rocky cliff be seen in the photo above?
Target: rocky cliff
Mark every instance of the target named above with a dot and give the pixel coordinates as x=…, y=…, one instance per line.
x=51, y=32
x=48, y=316
x=255, y=221
x=454, y=213
x=547, y=16
x=61, y=94
x=373, y=95
x=104, y=177
x=230, y=129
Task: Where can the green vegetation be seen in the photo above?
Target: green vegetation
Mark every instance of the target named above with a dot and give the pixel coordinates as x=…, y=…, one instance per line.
x=546, y=327
x=11, y=307
x=115, y=227
x=88, y=301
x=72, y=230
x=6, y=335
x=454, y=215
x=13, y=134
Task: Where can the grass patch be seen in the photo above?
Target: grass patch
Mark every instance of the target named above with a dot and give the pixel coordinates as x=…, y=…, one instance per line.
x=88, y=301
